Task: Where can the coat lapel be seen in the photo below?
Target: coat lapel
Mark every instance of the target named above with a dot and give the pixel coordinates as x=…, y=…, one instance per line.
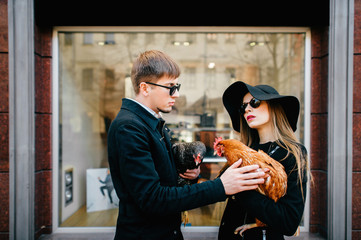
x=152, y=122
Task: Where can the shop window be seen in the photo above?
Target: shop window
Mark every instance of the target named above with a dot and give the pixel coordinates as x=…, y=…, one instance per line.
x=85, y=113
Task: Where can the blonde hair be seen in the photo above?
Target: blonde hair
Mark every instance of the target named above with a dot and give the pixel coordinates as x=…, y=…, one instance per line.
x=285, y=136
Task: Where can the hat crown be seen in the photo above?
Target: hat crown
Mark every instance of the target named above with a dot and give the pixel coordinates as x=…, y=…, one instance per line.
x=267, y=89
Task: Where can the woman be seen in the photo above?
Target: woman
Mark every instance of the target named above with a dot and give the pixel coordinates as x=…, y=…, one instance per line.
x=266, y=120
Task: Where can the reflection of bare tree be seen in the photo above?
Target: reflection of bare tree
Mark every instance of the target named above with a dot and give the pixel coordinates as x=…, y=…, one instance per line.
x=274, y=55
x=256, y=58
x=271, y=42
x=104, y=99
x=282, y=49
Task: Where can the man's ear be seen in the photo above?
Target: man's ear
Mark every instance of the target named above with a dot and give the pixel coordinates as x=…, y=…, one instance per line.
x=144, y=89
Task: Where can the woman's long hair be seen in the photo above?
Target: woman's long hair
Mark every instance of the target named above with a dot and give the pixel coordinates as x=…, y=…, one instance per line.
x=285, y=136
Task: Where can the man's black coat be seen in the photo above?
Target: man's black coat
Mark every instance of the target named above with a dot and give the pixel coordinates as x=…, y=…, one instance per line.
x=145, y=178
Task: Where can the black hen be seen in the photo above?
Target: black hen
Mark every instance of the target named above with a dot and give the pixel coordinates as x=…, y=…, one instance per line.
x=188, y=156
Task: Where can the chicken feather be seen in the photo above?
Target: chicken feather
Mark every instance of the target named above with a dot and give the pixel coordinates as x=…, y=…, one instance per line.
x=275, y=186
x=187, y=155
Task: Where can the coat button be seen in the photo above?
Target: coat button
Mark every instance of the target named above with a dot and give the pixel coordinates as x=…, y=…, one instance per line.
x=233, y=197
x=175, y=232
x=223, y=223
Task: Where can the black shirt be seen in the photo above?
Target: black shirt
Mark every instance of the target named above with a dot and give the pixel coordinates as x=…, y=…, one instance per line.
x=282, y=218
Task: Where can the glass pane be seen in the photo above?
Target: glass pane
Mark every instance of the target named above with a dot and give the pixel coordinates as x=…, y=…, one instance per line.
x=94, y=75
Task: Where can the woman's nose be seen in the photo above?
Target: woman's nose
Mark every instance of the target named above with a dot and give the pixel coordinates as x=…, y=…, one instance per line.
x=248, y=108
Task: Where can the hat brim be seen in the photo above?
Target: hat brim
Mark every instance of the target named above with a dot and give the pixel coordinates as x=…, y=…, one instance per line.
x=233, y=97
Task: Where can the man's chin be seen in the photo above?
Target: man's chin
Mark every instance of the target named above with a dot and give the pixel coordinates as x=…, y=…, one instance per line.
x=165, y=110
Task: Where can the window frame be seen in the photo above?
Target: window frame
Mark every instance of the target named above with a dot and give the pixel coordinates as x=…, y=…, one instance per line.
x=55, y=107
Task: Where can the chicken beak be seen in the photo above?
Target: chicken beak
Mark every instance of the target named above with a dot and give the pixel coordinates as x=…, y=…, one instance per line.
x=197, y=159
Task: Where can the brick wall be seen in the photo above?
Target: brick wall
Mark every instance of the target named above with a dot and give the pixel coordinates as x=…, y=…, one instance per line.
x=319, y=109
x=4, y=122
x=356, y=174
x=43, y=138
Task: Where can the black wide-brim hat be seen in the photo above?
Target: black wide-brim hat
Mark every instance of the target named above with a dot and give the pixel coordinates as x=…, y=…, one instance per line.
x=233, y=98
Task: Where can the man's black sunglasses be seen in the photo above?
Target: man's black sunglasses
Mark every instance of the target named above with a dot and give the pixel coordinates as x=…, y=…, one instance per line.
x=254, y=103
x=171, y=89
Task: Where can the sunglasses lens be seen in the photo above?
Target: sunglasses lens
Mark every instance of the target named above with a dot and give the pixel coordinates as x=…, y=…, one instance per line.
x=174, y=88
x=255, y=103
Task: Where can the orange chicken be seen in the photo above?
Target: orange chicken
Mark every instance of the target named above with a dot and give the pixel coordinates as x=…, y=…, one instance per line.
x=275, y=185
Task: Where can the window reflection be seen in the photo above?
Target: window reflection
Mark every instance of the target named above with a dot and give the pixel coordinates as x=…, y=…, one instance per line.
x=93, y=78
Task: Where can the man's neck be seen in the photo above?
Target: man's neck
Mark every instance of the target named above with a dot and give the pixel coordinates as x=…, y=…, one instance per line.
x=144, y=105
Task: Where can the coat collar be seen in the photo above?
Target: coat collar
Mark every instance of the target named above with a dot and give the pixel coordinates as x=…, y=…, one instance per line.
x=140, y=111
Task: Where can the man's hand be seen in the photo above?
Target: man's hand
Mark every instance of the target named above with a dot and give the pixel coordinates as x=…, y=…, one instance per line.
x=191, y=174
x=237, y=179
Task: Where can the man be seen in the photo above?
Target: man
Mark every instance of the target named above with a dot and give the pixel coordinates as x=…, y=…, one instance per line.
x=108, y=185
x=141, y=163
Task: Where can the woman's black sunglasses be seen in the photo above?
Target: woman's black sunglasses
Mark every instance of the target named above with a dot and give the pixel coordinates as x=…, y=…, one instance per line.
x=254, y=103
x=171, y=89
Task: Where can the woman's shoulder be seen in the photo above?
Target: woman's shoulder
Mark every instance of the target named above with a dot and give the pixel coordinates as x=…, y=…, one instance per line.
x=282, y=152
x=287, y=158
x=299, y=145
x=303, y=148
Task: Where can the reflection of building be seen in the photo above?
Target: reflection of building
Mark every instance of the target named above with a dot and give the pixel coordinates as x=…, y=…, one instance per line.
x=25, y=84
x=99, y=73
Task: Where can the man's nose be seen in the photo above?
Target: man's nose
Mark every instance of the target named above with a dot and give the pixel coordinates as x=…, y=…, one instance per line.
x=176, y=94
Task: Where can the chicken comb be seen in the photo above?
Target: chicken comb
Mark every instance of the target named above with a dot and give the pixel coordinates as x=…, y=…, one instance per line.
x=217, y=140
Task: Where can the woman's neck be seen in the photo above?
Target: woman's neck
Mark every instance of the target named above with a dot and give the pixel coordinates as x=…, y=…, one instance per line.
x=265, y=135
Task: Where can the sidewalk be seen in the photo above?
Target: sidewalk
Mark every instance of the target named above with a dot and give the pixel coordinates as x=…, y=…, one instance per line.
x=187, y=236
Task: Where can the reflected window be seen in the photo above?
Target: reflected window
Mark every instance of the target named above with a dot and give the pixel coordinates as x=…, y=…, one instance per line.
x=229, y=37
x=87, y=79
x=109, y=39
x=94, y=78
x=88, y=38
x=212, y=37
x=68, y=39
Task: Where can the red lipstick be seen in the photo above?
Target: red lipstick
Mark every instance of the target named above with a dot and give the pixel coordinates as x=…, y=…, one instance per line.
x=250, y=117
